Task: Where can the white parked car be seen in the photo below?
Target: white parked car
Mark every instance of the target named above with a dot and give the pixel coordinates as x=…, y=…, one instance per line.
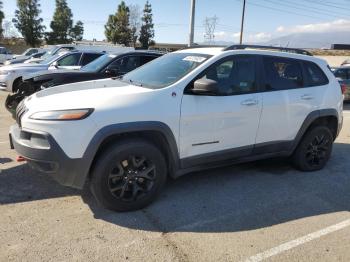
x=185, y=111
x=11, y=75
x=4, y=55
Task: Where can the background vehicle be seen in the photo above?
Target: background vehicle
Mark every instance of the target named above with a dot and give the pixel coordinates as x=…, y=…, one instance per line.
x=346, y=63
x=23, y=60
x=27, y=53
x=4, y=55
x=185, y=111
x=103, y=67
x=343, y=75
x=11, y=75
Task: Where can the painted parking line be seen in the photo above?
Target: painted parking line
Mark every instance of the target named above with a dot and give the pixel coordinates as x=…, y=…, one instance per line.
x=297, y=242
x=4, y=142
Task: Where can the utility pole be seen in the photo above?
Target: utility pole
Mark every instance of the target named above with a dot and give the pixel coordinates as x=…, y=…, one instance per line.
x=192, y=14
x=242, y=24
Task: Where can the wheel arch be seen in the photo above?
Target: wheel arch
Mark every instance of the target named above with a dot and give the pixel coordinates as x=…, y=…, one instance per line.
x=15, y=88
x=157, y=133
x=325, y=117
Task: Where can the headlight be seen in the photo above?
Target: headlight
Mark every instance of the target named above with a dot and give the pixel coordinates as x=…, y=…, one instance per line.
x=5, y=72
x=62, y=115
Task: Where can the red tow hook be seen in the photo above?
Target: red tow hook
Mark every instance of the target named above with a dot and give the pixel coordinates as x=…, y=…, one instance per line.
x=20, y=159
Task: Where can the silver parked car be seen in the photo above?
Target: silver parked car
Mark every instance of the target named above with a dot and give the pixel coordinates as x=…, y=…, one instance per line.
x=11, y=75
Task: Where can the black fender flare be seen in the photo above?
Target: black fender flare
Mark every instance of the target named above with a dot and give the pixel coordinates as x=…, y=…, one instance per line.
x=125, y=128
x=314, y=115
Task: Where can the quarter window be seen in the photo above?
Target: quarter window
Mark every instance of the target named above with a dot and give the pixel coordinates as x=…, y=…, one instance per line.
x=282, y=74
x=315, y=75
x=234, y=76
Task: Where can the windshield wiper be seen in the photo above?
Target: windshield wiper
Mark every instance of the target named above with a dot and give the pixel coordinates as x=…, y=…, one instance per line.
x=134, y=83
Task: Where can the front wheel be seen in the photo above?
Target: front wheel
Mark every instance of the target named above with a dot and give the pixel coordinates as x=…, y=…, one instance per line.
x=128, y=175
x=314, y=150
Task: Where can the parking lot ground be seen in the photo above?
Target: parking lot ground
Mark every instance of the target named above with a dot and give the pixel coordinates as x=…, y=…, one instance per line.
x=264, y=210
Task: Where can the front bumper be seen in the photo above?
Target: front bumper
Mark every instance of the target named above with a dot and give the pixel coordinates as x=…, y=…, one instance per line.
x=6, y=82
x=44, y=154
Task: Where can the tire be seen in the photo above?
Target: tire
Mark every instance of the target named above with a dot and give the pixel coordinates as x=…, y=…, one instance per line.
x=314, y=150
x=128, y=175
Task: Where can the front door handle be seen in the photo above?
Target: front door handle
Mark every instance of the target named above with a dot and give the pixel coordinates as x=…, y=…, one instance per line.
x=307, y=97
x=249, y=102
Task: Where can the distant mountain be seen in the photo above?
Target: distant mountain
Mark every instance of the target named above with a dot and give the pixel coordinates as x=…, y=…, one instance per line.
x=303, y=40
x=311, y=40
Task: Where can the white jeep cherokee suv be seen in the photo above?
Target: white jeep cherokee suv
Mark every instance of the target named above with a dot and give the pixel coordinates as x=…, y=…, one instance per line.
x=185, y=111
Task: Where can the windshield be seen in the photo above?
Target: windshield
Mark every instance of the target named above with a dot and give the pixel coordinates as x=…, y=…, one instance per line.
x=98, y=64
x=49, y=59
x=25, y=52
x=48, y=53
x=165, y=70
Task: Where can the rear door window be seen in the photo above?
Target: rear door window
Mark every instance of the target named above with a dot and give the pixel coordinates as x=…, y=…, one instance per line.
x=147, y=58
x=341, y=73
x=282, y=73
x=126, y=64
x=314, y=74
x=88, y=58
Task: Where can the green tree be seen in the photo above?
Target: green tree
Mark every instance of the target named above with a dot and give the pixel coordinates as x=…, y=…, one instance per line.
x=2, y=16
x=117, y=29
x=77, y=31
x=27, y=21
x=147, y=27
x=61, y=24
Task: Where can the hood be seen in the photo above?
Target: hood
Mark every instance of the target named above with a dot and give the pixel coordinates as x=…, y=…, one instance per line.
x=19, y=56
x=49, y=72
x=89, y=94
x=22, y=66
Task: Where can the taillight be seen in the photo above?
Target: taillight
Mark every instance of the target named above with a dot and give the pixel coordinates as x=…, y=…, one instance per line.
x=343, y=88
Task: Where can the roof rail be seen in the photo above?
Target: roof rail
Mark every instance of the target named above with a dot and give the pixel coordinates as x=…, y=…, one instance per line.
x=281, y=49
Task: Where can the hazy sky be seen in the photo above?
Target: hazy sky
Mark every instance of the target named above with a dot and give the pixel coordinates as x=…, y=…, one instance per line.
x=265, y=19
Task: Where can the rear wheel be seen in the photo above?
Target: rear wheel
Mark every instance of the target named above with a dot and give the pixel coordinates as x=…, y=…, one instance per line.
x=314, y=150
x=129, y=175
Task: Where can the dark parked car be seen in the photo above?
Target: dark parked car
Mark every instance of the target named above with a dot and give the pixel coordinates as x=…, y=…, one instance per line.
x=105, y=66
x=343, y=75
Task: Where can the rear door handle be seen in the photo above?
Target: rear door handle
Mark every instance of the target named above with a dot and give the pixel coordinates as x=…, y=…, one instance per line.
x=307, y=97
x=249, y=102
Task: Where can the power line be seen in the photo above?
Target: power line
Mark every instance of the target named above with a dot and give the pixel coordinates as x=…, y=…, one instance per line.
x=328, y=4
x=304, y=8
x=283, y=11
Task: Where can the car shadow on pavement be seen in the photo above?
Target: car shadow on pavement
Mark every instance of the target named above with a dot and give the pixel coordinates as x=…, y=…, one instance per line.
x=242, y=197
x=21, y=183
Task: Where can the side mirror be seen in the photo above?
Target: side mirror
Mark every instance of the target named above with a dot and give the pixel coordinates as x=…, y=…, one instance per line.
x=112, y=72
x=205, y=87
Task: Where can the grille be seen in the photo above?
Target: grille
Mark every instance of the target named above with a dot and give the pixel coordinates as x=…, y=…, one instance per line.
x=20, y=111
